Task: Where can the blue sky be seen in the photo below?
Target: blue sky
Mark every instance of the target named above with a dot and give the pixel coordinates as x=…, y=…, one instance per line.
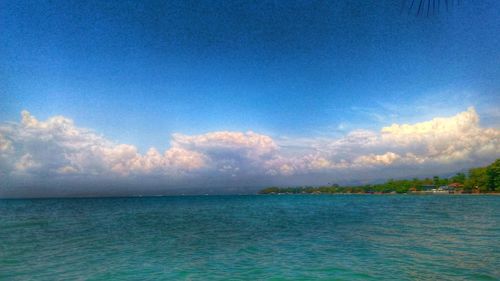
x=140, y=72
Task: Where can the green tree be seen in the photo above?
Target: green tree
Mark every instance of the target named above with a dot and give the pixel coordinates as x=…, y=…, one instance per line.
x=478, y=179
x=444, y=181
x=459, y=177
x=436, y=180
x=493, y=174
x=270, y=190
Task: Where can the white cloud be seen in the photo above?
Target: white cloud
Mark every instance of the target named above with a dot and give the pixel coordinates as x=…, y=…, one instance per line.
x=380, y=159
x=58, y=148
x=25, y=163
x=455, y=138
x=62, y=148
x=67, y=170
x=442, y=140
x=230, y=152
x=5, y=145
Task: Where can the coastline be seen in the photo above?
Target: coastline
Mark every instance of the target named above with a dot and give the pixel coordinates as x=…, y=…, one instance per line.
x=392, y=194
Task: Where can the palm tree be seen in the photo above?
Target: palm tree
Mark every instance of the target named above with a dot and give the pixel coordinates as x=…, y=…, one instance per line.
x=427, y=7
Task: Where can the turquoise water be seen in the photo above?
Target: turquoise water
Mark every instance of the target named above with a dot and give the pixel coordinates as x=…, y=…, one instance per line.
x=296, y=237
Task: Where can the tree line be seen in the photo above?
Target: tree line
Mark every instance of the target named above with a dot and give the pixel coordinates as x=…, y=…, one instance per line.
x=482, y=179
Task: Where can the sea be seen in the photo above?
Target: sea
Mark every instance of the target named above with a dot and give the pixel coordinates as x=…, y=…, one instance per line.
x=252, y=237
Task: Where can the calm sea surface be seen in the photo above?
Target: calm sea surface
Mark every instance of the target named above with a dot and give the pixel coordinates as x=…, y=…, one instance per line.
x=299, y=237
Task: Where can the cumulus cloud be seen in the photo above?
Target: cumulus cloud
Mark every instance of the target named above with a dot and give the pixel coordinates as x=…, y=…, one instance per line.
x=5, y=145
x=230, y=152
x=57, y=148
x=377, y=159
x=456, y=138
x=441, y=140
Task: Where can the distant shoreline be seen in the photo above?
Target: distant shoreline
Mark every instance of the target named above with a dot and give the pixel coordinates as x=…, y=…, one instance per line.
x=250, y=194
x=482, y=180
x=416, y=193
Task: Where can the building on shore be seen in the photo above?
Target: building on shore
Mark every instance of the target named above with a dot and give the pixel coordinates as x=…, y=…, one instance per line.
x=452, y=188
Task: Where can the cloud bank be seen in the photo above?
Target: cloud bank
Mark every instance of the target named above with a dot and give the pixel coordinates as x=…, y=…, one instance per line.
x=56, y=150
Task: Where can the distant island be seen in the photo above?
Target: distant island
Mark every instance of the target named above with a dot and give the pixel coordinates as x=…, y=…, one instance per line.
x=477, y=180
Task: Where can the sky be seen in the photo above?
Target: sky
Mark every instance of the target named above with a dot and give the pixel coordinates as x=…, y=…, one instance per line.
x=154, y=97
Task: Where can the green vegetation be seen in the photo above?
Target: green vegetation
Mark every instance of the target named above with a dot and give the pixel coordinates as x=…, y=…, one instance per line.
x=482, y=179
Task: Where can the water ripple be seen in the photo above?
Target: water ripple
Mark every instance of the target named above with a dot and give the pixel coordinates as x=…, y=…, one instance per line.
x=252, y=238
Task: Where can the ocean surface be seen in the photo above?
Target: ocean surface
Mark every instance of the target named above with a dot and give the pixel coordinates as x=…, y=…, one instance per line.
x=291, y=237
